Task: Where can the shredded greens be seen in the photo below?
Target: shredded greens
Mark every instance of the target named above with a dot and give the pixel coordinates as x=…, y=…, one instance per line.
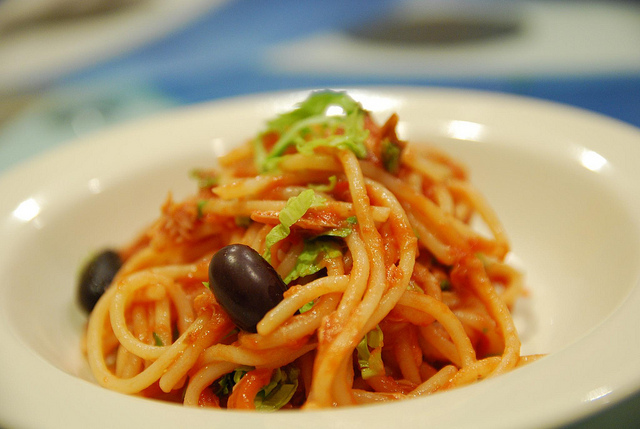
x=311, y=256
x=391, y=156
x=333, y=180
x=325, y=118
x=352, y=220
x=243, y=221
x=370, y=354
x=200, y=207
x=413, y=287
x=486, y=260
x=279, y=391
x=445, y=285
x=273, y=396
x=344, y=231
x=293, y=210
x=205, y=178
x=225, y=384
x=306, y=307
x=158, y=341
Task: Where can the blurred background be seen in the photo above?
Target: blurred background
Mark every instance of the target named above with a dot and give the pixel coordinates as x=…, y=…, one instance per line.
x=69, y=68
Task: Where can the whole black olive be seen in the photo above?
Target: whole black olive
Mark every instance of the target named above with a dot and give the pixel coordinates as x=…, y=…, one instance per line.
x=96, y=276
x=244, y=284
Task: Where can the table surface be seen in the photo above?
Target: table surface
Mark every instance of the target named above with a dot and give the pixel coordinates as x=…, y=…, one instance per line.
x=65, y=78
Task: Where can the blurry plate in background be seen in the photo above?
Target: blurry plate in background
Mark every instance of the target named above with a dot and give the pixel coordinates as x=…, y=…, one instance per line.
x=41, y=40
x=474, y=39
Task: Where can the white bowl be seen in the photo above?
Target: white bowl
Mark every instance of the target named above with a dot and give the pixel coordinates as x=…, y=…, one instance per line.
x=566, y=184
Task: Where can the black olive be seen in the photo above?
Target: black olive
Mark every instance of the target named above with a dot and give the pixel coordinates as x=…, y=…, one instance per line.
x=244, y=284
x=96, y=276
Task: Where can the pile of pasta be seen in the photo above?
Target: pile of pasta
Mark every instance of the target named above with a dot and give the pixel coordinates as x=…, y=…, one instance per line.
x=390, y=292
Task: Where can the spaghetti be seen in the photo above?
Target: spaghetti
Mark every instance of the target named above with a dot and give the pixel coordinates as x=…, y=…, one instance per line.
x=390, y=293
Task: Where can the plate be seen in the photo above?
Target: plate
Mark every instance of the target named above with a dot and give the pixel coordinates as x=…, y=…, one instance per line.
x=35, y=54
x=565, y=183
x=474, y=40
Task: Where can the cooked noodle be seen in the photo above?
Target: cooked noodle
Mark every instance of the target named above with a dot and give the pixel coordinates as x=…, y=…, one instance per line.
x=396, y=263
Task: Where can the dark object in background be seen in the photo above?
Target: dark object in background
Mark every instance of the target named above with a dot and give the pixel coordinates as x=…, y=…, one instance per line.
x=434, y=31
x=455, y=22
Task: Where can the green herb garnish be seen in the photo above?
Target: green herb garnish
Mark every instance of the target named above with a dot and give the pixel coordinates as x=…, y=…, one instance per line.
x=273, y=396
x=370, y=354
x=157, y=339
x=243, y=221
x=309, y=260
x=279, y=391
x=200, y=207
x=224, y=385
x=325, y=118
x=205, y=179
x=333, y=180
x=391, y=156
x=293, y=210
x=308, y=306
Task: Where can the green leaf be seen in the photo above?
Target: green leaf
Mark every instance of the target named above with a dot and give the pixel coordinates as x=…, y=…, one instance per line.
x=315, y=105
x=341, y=232
x=259, y=153
x=338, y=232
x=200, y=206
x=158, y=341
x=413, y=287
x=370, y=354
x=484, y=259
x=333, y=180
x=205, y=179
x=391, y=156
x=293, y=210
x=312, y=254
x=308, y=306
x=325, y=118
x=224, y=384
x=279, y=391
x=243, y=221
